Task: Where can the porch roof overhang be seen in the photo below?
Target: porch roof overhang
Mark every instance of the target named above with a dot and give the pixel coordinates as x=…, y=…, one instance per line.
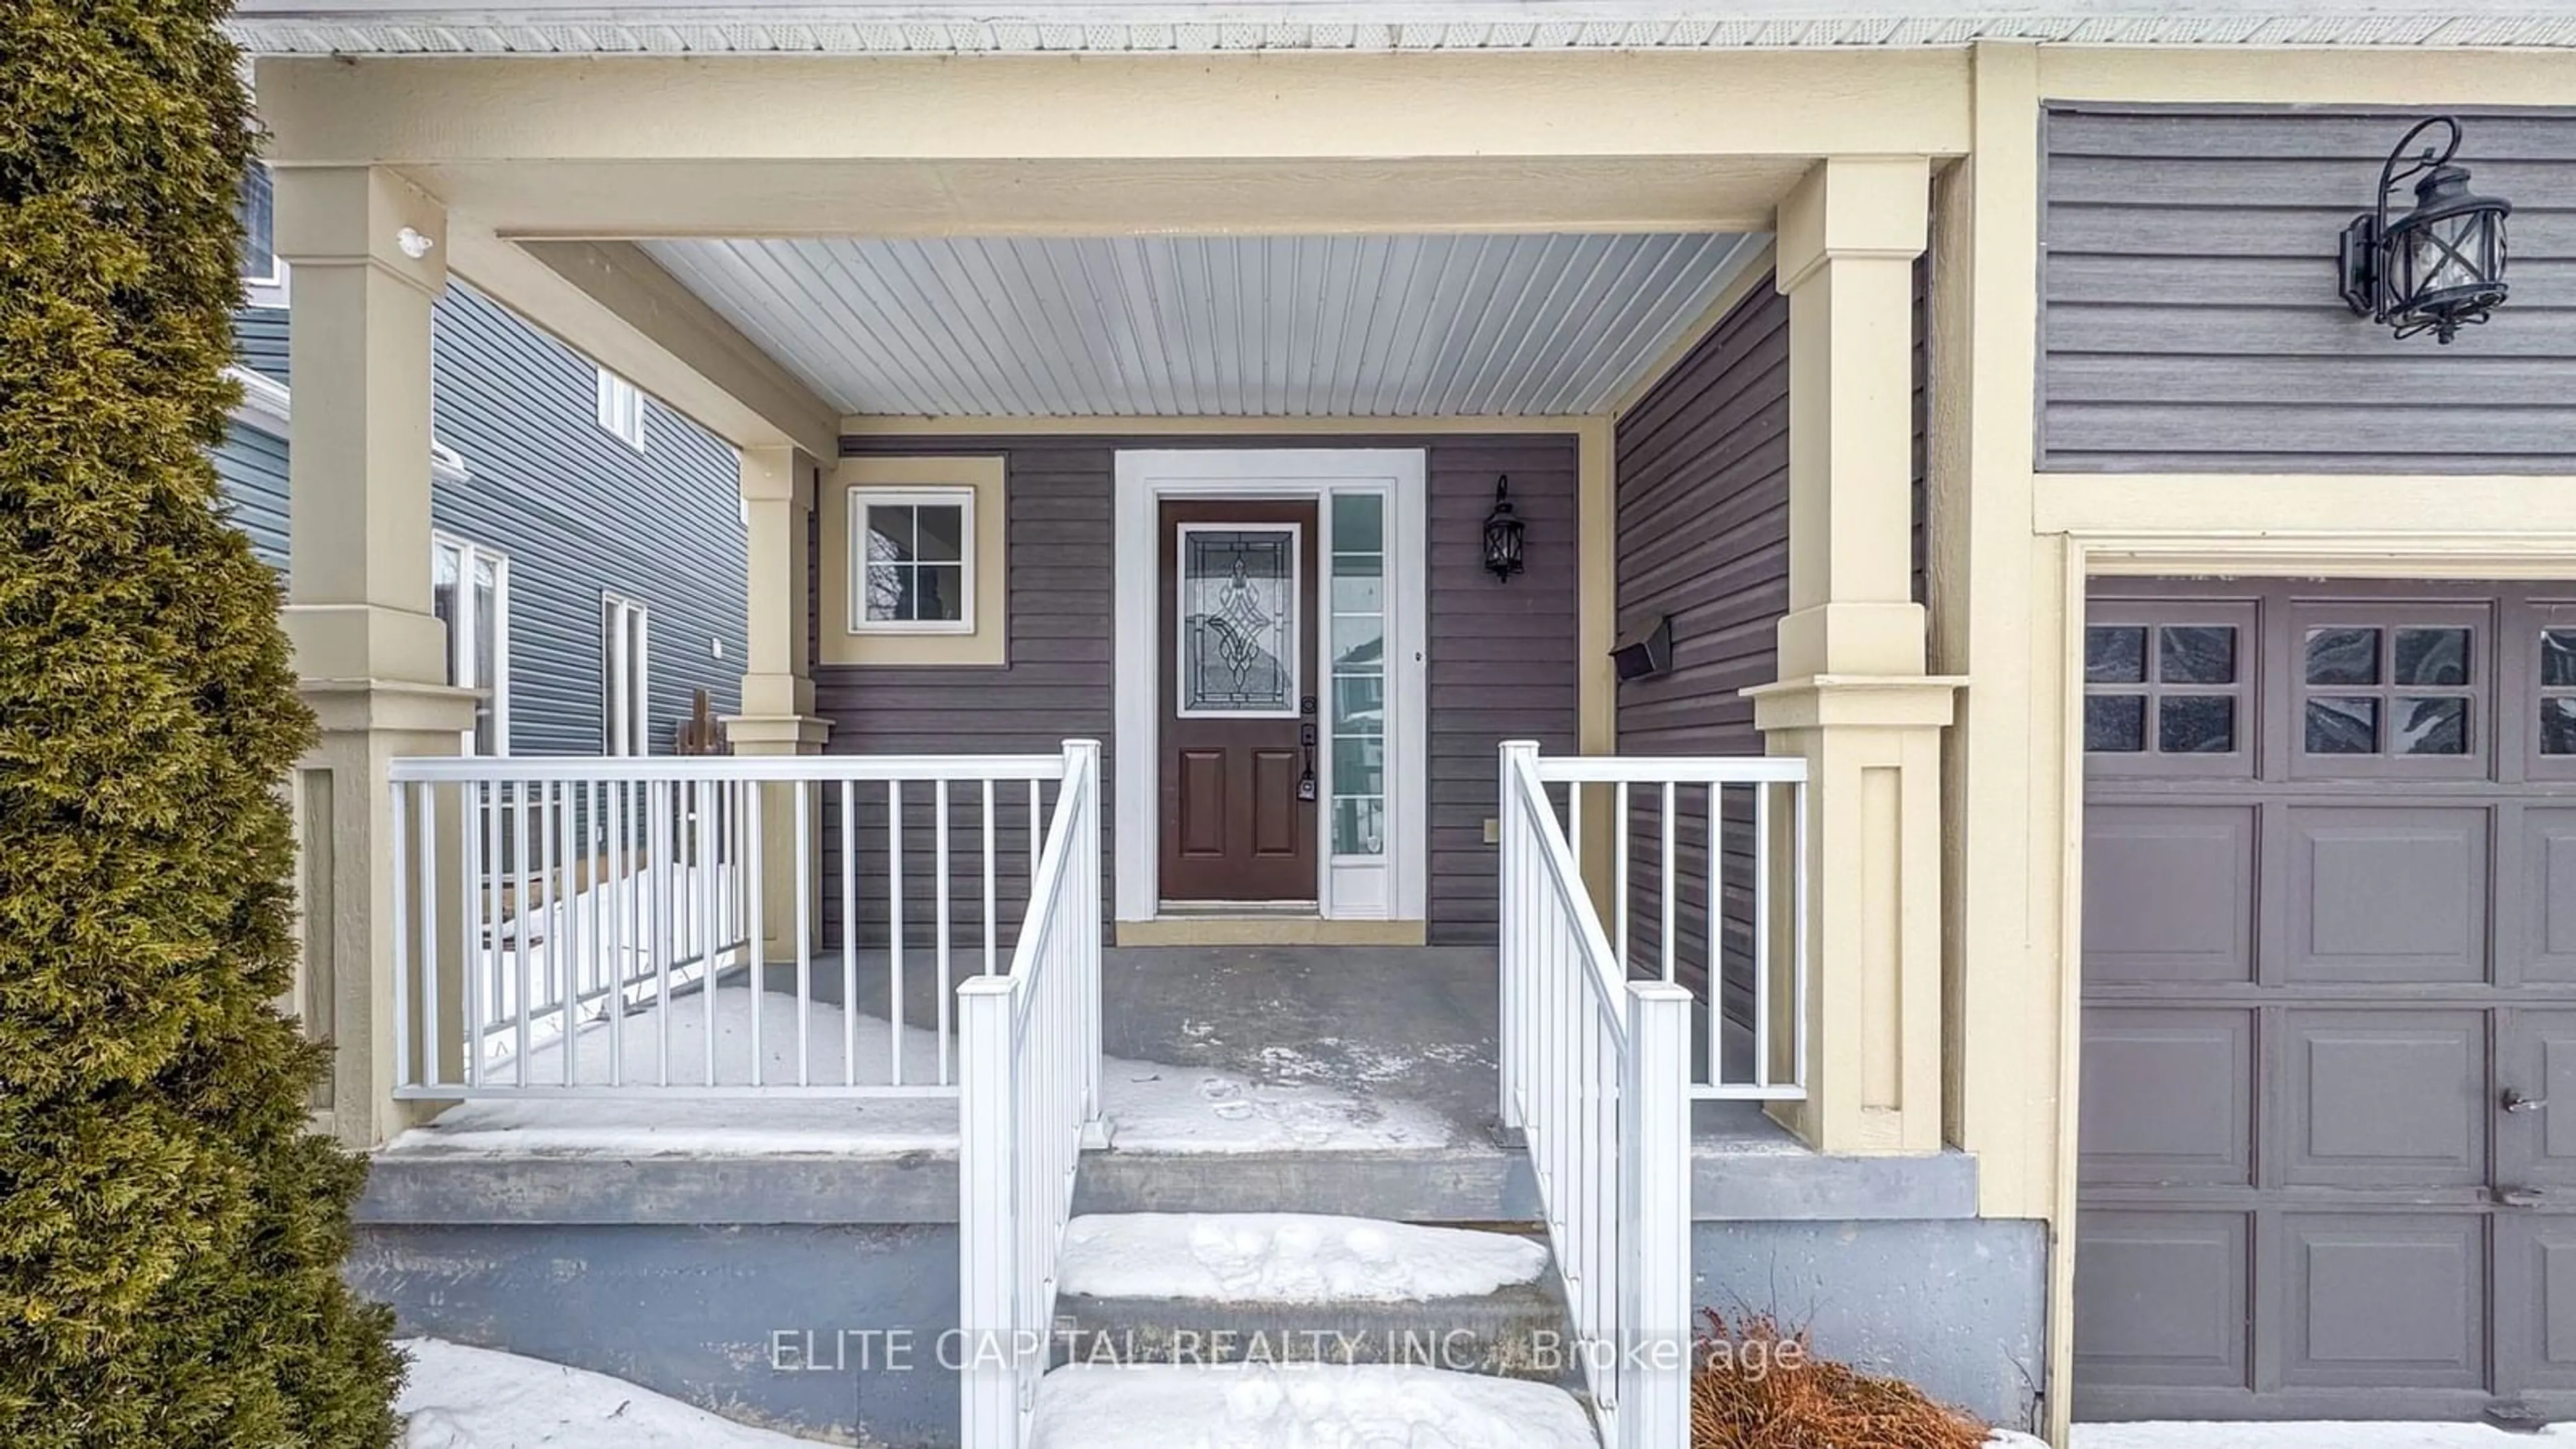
x=947, y=27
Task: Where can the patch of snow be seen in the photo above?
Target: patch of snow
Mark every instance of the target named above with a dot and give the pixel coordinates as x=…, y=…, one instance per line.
x=648, y=1126
x=829, y=1034
x=475, y=1398
x=1288, y=1258
x=1258, y=1406
x=2309, y=1436
x=1157, y=1108
x=1152, y=1107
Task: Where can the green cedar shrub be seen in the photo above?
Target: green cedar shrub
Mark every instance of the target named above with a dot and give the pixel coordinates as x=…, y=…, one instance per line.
x=170, y=1231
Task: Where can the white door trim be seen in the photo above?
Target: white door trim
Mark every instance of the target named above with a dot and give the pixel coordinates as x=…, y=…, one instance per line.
x=1145, y=477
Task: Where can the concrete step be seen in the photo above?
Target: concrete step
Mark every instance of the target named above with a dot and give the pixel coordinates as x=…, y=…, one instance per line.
x=1260, y=1406
x=1263, y=1288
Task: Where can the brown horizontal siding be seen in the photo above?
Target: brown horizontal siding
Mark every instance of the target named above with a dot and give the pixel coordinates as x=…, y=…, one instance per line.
x=1502, y=655
x=1703, y=508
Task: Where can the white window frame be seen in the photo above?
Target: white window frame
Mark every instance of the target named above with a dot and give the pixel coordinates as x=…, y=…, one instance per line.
x=621, y=409
x=625, y=720
x=863, y=498
x=468, y=555
x=269, y=290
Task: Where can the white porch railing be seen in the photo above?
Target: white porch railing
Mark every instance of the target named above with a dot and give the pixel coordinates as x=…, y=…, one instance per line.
x=1029, y=1093
x=1597, y=1068
x=1696, y=849
x=589, y=926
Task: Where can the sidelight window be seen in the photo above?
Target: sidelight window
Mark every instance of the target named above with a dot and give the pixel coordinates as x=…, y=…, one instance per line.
x=1359, y=667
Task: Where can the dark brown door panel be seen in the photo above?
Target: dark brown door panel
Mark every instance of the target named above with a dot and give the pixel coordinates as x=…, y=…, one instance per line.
x=1238, y=689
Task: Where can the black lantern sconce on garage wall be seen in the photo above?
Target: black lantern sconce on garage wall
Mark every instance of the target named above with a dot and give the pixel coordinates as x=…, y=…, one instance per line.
x=2438, y=268
x=1503, y=530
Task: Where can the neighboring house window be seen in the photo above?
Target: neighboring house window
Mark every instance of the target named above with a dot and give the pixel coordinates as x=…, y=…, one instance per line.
x=470, y=593
x=255, y=206
x=626, y=730
x=913, y=553
x=621, y=409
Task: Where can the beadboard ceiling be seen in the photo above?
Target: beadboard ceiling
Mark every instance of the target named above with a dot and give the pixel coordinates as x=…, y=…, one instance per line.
x=1344, y=326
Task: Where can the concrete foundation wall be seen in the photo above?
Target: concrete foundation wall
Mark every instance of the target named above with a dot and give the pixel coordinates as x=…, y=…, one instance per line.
x=823, y=1330
x=835, y=1331
x=1957, y=1307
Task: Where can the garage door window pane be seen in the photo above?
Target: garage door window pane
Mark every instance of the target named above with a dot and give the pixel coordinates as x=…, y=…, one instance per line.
x=2343, y=656
x=2115, y=656
x=2433, y=656
x=2115, y=723
x=2197, y=654
x=2343, y=726
x=2432, y=726
x=2558, y=726
x=2558, y=658
x=2196, y=724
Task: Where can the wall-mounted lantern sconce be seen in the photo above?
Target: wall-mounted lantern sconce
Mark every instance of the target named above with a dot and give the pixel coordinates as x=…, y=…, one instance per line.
x=1645, y=654
x=2438, y=268
x=1502, y=533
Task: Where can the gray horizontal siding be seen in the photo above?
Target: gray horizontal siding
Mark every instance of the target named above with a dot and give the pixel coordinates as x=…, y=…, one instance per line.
x=2190, y=320
x=1502, y=655
x=576, y=510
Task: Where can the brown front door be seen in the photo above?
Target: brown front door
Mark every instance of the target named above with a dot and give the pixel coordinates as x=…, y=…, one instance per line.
x=1237, y=660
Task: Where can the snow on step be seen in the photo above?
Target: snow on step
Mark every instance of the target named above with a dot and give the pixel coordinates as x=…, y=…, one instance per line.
x=1288, y=1258
x=1292, y=1407
x=474, y=1398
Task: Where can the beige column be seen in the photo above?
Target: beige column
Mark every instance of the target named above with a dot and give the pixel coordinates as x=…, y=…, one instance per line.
x=1853, y=697
x=778, y=683
x=366, y=251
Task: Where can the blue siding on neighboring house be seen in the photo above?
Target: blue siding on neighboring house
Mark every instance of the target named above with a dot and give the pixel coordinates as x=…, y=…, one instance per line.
x=253, y=467
x=259, y=335
x=576, y=510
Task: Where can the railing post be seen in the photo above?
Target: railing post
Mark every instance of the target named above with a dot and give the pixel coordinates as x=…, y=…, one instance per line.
x=1655, y=1220
x=987, y=1216
x=1511, y=924
x=1082, y=771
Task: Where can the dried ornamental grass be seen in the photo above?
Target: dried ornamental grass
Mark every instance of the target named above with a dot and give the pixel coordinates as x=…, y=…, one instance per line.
x=1758, y=1387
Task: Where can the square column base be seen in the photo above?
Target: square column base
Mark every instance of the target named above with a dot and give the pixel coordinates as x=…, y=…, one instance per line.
x=342, y=801
x=1873, y=748
x=791, y=734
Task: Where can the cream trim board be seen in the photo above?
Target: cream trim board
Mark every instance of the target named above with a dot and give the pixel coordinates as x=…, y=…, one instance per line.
x=2395, y=76
x=1145, y=477
x=2363, y=516
x=1341, y=430
x=986, y=643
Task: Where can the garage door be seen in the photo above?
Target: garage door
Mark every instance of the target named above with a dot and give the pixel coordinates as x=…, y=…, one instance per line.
x=2329, y=994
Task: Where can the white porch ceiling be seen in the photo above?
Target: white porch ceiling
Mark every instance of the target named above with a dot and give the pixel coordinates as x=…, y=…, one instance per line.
x=1342, y=326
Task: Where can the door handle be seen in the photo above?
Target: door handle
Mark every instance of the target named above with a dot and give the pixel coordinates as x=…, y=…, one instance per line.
x=2516, y=1101
x=2520, y=1197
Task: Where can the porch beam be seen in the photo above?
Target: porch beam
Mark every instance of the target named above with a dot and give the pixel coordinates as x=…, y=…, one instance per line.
x=1853, y=697
x=1105, y=145
x=1311, y=106
x=372, y=658
x=612, y=303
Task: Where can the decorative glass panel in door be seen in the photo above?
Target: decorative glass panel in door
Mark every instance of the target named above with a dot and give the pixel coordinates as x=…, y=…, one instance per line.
x=1239, y=627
